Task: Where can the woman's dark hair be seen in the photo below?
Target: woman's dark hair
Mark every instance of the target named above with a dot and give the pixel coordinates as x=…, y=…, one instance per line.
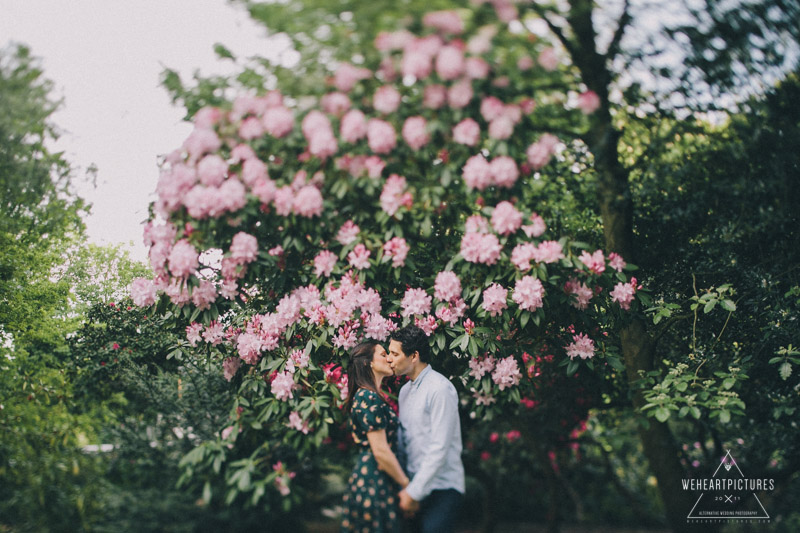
x=413, y=339
x=359, y=371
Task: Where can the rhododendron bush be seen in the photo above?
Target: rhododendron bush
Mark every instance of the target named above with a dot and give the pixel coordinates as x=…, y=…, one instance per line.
x=288, y=228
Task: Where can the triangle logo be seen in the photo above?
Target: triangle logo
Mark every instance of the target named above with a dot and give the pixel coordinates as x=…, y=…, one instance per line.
x=728, y=495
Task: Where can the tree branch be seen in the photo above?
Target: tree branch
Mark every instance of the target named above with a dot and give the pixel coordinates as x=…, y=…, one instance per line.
x=569, y=45
x=624, y=21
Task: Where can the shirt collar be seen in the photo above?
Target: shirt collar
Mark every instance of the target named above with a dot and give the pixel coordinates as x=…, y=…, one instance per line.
x=417, y=382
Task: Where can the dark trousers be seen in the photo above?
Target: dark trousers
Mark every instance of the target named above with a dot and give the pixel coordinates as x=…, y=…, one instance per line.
x=438, y=512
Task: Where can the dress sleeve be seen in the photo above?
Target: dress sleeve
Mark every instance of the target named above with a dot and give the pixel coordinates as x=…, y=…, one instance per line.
x=369, y=413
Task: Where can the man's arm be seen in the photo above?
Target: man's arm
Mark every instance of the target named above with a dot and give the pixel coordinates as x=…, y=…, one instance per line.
x=444, y=417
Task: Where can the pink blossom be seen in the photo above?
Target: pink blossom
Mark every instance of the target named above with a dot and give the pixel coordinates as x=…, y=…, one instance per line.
x=178, y=293
x=229, y=367
x=201, y=142
x=278, y=121
x=444, y=21
x=375, y=166
x=484, y=399
x=480, y=366
x=297, y=422
x=536, y=228
x=415, y=132
x=244, y=248
x=480, y=248
x=434, y=96
x=505, y=10
x=594, y=262
x=426, y=324
x=276, y=251
x=491, y=108
x=581, y=346
x=354, y=126
x=381, y=136
x=549, y=252
x=335, y=103
x=322, y=144
x=251, y=128
x=616, y=262
x=504, y=171
x=386, y=100
x=540, y=152
x=501, y=128
x=193, y=331
x=522, y=255
x=324, y=263
x=506, y=374
x=249, y=346
x=582, y=293
x=232, y=195
x=467, y=132
x=450, y=62
x=284, y=201
x=416, y=63
x=528, y=293
x=525, y=63
x=265, y=190
x=346, y=337
x=214, y=334
x=229, y=289
x=588, y=102
x=347, y=76
x=299, y=358
x=314, y=123
x=548, y=59
x=396, y=40
x=494, y=299
x=447, y=286
x=308, y=202
x=623, y=294
x=506, y=219
x=204, y=294
x=416, y=302
x=282, y=386
x=347, y=233
x=183, y=259
x=206, y=117
x=459, y=94
x=397, y=249
x=476, y=224
x=476, y=68
x=359, y=257
x=452, y=311
x=477, y=172
x=143, y=292
x=378, y=328
x=392, y=196
x=253, y=170
x=513, y=435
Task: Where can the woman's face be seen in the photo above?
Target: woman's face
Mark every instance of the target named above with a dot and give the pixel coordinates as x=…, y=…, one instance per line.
x=380, y=366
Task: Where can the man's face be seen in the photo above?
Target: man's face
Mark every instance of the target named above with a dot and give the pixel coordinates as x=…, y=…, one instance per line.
x=401, y=363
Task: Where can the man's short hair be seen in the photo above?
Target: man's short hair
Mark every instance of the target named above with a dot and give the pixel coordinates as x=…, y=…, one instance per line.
x=413, y=339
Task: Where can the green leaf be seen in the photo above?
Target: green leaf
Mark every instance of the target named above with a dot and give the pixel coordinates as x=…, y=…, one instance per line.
x=785, y=370
x=728, y=383
x=709, y=306
x=207, y=492
x=662, y=414
x=728, y=305
x=724, y=416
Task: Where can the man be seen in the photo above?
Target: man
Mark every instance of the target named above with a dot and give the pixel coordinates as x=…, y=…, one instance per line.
x=430, y=434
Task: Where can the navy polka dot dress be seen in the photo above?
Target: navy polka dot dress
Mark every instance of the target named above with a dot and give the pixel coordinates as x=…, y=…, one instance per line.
x=370, y=500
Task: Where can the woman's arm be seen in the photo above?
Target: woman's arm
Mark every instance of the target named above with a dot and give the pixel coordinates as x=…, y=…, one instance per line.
x=386, y=459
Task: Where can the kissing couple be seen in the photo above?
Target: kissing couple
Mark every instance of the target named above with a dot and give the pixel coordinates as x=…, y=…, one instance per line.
x=409, y=466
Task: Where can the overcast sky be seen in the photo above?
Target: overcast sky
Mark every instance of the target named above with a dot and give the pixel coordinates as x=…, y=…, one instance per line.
x=105, y=57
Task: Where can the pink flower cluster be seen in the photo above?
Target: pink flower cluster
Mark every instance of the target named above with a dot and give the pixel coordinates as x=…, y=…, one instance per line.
x=581, y=346
x=347, y=76
x=506, y=373
x=143, y=292
x=545, y=252
x=623, y=293
x=478, y=173
x=415, y=132
x=595, y=262
x=540, y=152
x=478, y=366
x=416, y=302
x=528, y=293
x=359, y=257
x=502, y=118
x=506, y=219
x=318, y=132
x=447, y=286
x=394, y=195
x=581, y=292
x=494, y=299
x=480, y=248
x=397, y=249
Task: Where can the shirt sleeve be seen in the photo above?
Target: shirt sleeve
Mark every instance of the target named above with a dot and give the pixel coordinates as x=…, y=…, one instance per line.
x=368, y=413
x=444, y=417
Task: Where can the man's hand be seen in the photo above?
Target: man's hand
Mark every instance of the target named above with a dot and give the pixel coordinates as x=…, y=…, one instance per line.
x=409, y=505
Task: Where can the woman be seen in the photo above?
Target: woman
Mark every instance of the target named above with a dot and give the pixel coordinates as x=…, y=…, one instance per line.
x=370, y=501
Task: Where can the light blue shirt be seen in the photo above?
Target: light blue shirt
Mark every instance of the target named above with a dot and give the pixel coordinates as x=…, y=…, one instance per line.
x=431, y=434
